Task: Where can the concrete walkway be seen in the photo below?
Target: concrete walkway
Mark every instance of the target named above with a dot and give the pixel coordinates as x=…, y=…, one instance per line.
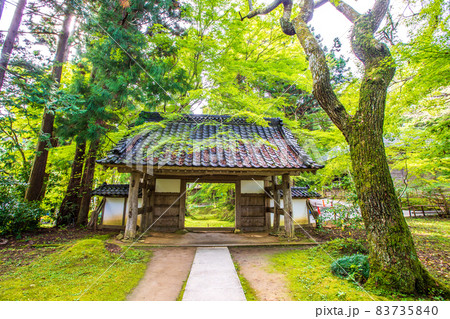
x=213, y=277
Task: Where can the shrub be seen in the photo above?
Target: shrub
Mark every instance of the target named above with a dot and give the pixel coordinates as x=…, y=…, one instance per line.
x=17, y=217
x=354, y=268
x=346, y=246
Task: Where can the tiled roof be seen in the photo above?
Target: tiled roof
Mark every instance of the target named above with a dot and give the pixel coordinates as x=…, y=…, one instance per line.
x=302, y=192
x=113, y=190
x=213, y=141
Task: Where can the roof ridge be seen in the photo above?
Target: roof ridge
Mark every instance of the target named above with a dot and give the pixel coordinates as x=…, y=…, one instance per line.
x=202, y=118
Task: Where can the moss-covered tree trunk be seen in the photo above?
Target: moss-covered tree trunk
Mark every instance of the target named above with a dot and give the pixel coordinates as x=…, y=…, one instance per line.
x=393, y=257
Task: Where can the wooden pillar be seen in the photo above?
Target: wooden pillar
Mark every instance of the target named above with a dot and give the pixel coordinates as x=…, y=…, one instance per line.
x=182, y=206
x=238, y=220
x=276, y=206
x=151, y=201
x=145, y=202
x=133, y=195
x=287, y=202
x=267, y=204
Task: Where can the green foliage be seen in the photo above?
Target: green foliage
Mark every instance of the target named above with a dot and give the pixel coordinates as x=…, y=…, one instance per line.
x=16, y=216
x=346, y=246
x=176, y=56
x=77, y=273
x=417, y=114
x=211, y=201
x=354, y=268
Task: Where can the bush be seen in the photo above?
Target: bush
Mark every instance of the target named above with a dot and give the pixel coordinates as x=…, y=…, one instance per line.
x=354, y=268
x=346, y=246
x=17, y=217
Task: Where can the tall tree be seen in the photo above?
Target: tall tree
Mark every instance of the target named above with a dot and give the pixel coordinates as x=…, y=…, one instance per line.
x=8, y=45
x=393, y=257
x=121, y=76
x=86, y=185
x=70, y=205
x=36, y=181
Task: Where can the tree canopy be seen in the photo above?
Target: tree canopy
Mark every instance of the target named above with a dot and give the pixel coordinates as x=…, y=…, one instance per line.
x=123, y=57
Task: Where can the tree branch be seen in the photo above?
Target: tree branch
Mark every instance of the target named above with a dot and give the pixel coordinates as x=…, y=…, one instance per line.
x=285, y=20
x=319, y=3
x=322, y=89
x=263, y=11
x=378, y=12
x=347, y=10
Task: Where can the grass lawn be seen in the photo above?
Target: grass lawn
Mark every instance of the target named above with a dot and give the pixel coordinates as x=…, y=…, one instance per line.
x=207, y=221
x=309, y=276
x=432, y=239
x=77, y=270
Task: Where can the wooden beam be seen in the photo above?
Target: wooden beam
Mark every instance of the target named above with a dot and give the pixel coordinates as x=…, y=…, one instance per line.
x=182, y=206
x=287, y=203
x=133, y=195
x=276, y=206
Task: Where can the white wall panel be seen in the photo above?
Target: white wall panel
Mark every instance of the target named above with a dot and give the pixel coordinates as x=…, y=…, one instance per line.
x=168, y=185
x=252, y=187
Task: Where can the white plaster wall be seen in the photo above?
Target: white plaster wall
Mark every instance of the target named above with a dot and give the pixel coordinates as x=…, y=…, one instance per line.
x=168, y=185
x=113, y=212
x=252, y=187
x=299, y=208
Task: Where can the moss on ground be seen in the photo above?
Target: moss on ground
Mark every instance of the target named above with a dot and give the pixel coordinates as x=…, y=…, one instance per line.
x=432, y=240
x=310, y=278
x=208, y=221
x=85, y=270
x=250, y=293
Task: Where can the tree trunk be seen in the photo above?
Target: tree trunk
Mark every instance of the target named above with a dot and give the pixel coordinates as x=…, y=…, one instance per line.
x=2, y=5
x=393, y=258
x=86, y=185
x=133, y=193
x=36, y=181
x=8, y=45
x=70, y=205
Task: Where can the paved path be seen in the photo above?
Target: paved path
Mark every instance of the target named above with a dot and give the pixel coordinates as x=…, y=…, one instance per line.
x=213, y=277
x=165, y=274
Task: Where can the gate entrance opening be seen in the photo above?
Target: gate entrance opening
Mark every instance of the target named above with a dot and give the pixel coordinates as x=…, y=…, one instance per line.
x=210, y=206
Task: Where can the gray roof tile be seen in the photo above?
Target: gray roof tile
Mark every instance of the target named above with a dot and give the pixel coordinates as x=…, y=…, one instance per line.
x=211, y=141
